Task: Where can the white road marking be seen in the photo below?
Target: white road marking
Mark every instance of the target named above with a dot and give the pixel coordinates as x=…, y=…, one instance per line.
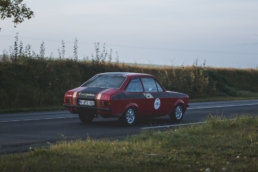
x=168, y=126
x=37, y=119
x=210, y=107
x=176, y=125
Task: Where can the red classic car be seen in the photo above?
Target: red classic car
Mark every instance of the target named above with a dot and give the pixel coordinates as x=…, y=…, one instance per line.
x=126, y=96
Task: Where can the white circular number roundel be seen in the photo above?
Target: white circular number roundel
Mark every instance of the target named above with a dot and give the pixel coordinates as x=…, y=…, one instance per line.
x=157, y=103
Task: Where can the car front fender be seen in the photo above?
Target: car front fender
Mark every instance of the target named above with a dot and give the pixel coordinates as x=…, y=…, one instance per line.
x=180, y=101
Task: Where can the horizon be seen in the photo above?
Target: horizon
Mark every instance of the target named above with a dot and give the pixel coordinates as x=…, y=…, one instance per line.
x=194, y=64
x=163, y=32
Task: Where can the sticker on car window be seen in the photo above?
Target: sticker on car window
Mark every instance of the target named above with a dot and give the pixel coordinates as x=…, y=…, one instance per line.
x=157, y=103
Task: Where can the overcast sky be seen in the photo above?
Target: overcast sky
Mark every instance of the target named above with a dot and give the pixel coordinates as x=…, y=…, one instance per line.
x=165, y=32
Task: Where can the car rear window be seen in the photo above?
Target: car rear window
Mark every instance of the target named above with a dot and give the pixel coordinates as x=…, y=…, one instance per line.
x=105, y=81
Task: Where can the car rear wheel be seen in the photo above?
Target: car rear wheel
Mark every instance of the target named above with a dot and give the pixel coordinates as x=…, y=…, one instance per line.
x=129, y=116
x=86, y=118
x=177, y=114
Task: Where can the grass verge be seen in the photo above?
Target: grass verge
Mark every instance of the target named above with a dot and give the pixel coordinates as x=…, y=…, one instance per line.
x=217, y=145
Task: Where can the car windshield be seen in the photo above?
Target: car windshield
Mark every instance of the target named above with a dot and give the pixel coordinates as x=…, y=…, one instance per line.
x=105, y=81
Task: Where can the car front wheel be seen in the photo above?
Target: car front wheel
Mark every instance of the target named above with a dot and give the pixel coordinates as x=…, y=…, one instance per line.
x=129, y=116
x=86, y=118
x=177, y=114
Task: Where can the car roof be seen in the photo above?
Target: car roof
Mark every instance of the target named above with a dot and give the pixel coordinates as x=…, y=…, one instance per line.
x=126, y=74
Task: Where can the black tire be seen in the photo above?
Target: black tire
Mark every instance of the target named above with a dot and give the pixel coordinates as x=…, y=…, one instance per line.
x=129, y=117
x=86, y=118
x=177, y=114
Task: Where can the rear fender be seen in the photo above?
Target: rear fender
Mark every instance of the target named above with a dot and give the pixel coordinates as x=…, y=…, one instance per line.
x=132, y=105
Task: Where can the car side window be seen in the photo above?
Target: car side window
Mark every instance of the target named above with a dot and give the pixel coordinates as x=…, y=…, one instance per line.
x=159, y=87
x=135, y=85
x=149, y=85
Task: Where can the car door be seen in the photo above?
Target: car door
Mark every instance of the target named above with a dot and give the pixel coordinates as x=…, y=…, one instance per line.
x=156, y=98
x=135, y=96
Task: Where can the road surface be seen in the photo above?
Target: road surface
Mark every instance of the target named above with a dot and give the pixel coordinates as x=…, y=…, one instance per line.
x=24, y=131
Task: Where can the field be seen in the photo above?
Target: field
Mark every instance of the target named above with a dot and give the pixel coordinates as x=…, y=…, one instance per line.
x=217, y=145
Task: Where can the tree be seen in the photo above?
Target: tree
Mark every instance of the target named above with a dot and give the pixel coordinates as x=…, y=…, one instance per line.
x=15, y=8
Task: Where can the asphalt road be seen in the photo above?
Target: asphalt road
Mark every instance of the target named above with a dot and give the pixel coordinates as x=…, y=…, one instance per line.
x=23, y=131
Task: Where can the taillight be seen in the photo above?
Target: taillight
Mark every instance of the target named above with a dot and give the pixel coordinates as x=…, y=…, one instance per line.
x=67, y=100
x=106, y=103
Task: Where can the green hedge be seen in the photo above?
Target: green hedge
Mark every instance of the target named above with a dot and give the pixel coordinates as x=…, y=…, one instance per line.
x=39, y=82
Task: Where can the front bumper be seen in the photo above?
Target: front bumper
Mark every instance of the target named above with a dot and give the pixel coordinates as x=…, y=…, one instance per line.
x=87, y=107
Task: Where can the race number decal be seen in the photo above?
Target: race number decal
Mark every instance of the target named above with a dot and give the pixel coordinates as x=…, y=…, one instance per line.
x=157, y=103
